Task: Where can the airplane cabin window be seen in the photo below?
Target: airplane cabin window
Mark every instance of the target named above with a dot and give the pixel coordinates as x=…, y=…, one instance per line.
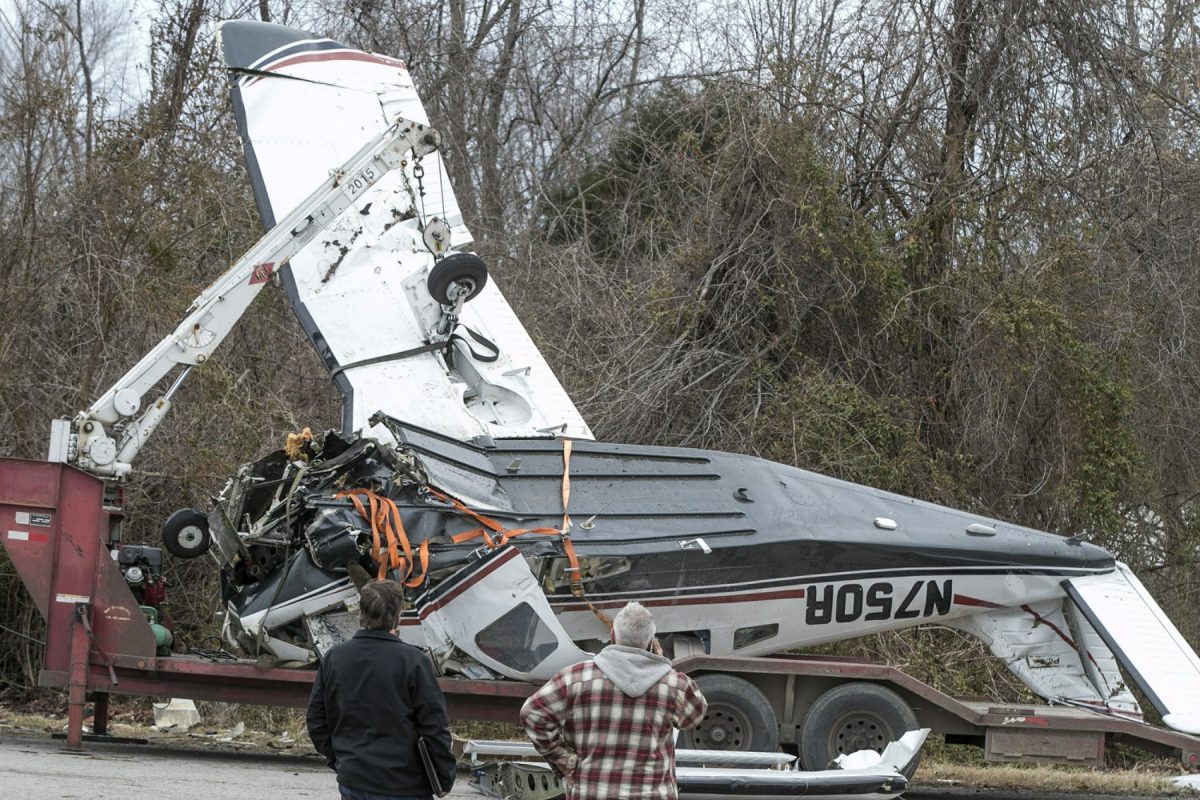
x=744, y=637
x=519, y=639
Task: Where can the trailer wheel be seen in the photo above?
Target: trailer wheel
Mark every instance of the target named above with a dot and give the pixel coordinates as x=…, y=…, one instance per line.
x=739, y=717
x=467, y=270
x=185, y=533
x=852, y=717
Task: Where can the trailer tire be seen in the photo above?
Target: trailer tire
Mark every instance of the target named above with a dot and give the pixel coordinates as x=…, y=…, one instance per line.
x=185, y=533
x=739, y=717
x=467, y=269
x=851, y=717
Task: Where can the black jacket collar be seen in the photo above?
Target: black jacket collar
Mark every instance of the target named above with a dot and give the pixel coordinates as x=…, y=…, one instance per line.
x=386, y=636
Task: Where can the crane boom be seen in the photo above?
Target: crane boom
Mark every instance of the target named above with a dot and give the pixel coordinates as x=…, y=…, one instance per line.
x=106, y=438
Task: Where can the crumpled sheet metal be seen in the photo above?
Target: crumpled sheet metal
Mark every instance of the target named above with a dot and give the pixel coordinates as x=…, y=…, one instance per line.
x=868, y=776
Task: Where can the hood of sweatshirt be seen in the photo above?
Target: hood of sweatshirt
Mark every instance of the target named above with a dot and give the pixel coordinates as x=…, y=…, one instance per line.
x=633, y=671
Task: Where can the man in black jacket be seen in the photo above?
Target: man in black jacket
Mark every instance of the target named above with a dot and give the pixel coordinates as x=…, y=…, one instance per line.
x=373, y=697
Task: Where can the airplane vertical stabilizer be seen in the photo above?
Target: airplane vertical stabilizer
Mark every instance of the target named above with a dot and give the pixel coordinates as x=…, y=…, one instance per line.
x=1146, y=643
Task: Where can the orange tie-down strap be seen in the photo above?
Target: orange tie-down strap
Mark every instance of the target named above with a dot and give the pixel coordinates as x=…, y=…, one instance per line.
x=385, y=522
x=489, y=526
x=387, y=531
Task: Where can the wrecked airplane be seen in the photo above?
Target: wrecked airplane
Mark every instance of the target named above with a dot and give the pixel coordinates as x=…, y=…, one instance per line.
x=466, y=478
x=464, y=471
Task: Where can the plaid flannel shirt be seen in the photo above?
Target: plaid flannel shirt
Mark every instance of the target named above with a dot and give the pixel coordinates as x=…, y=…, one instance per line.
x=607, y=744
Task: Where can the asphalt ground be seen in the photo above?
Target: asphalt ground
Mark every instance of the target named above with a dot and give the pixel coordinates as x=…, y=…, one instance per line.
x=41, y=768
x=37, y=767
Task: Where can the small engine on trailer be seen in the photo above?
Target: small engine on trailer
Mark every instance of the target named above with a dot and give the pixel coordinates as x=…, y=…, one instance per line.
x=141, y=566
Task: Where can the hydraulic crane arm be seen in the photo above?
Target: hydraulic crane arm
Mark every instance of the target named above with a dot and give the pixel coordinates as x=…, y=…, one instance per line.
x=106, y=438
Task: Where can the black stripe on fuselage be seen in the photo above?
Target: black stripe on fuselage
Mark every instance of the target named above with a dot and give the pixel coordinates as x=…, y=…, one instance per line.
x=834, y=577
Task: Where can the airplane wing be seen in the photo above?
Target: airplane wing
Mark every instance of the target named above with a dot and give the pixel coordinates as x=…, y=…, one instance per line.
x=305, y=104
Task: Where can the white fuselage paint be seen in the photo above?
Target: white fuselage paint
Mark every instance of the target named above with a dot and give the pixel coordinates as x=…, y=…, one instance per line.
x=722, y=612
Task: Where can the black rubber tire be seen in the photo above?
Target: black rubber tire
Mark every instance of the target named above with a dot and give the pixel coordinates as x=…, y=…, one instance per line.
x=456, y=268
x=739, y=717
x=851, y=717
x=185, y=533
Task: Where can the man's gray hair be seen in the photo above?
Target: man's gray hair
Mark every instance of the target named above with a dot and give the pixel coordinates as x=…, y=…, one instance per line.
x=633, y=626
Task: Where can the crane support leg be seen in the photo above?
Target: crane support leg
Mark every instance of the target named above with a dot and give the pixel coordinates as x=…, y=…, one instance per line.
x=77, y=688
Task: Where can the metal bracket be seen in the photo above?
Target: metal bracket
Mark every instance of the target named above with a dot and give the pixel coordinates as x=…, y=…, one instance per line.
x=518, y=780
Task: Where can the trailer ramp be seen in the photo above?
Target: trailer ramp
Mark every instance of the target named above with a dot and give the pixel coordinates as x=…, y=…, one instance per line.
x=1147, y=644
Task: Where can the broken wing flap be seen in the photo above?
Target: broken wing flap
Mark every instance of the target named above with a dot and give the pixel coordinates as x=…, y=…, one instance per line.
x=494, y=610
x=1145, y=642
x=702, y=782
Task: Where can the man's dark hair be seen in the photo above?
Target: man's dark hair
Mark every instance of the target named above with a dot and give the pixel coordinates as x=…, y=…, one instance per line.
x=379, y=605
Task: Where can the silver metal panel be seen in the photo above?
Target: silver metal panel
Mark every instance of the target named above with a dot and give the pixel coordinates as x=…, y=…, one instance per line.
x=332, y=628
x=683, y=757
x=1056, y=747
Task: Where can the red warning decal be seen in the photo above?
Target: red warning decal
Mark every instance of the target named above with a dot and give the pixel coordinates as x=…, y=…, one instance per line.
x=262, y=272
x=28, y=536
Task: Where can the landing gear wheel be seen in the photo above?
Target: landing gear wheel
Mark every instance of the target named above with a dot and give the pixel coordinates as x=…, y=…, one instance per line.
x=457, y=270
x=185, y=533
x=852, y=717
x=739, y=717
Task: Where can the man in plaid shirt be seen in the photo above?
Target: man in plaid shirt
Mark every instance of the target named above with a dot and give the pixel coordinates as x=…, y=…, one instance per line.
x=606, y=724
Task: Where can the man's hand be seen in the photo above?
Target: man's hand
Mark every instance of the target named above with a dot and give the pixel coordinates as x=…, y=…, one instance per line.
x=656, y=647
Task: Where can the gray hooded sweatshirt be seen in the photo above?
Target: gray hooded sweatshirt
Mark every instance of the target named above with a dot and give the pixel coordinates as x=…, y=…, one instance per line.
x=631, y=669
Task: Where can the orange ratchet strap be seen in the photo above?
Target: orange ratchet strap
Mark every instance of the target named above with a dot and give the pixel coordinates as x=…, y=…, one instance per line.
x=490, y=526
x=383, y=515
x=568, y=548
x=387, y=532
x=487, y=523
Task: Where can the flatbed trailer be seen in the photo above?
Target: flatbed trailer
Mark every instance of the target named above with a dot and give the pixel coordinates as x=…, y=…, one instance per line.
x=59, y=527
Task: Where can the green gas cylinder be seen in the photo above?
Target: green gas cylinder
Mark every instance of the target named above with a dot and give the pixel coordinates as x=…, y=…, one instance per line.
x=163, y=638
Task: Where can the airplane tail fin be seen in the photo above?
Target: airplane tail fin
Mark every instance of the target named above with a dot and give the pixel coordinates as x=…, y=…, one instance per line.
x=1147, y=644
